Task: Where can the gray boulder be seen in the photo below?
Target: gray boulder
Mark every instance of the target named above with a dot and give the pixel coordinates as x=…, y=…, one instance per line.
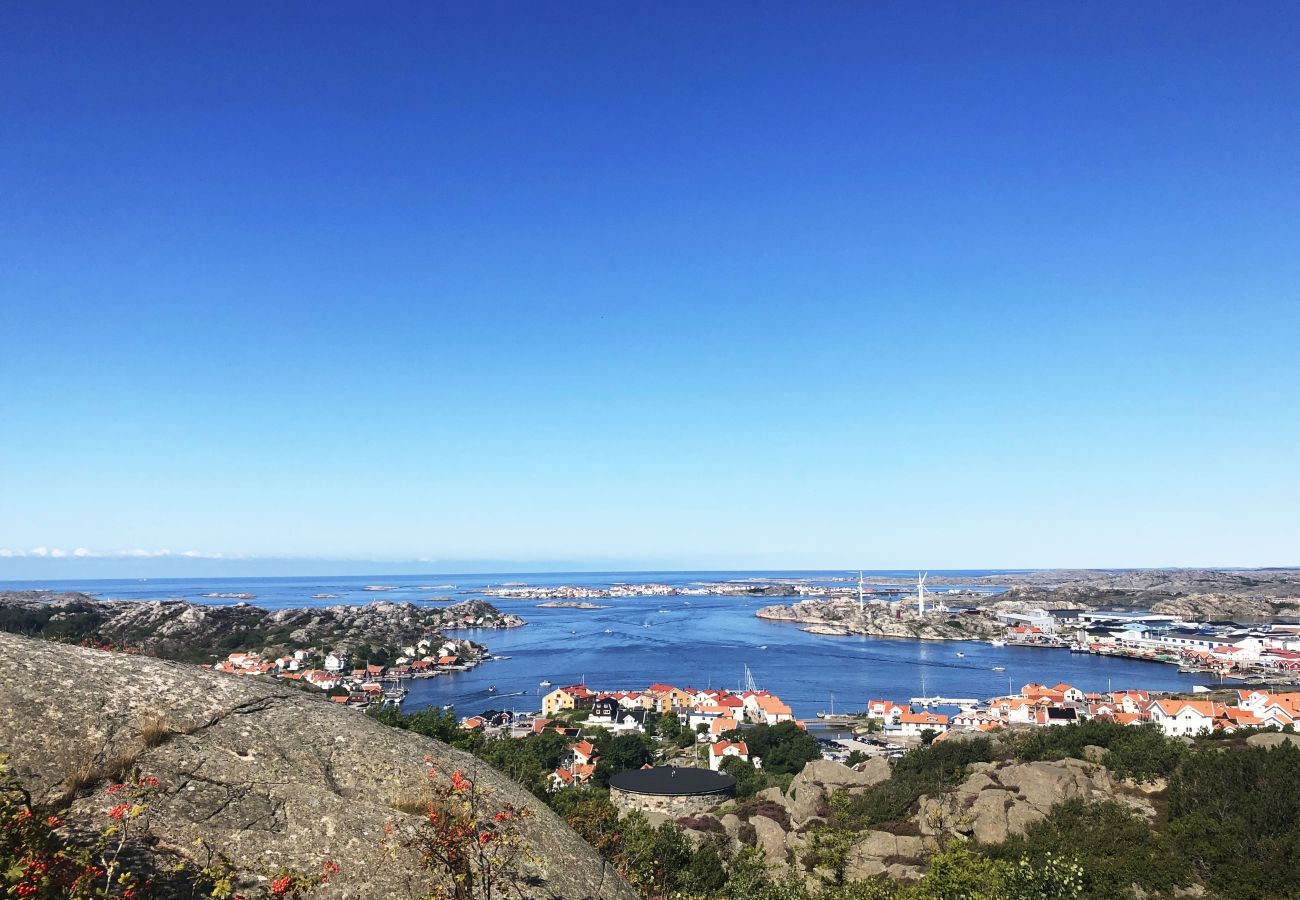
x=1276, y=739
x=771, y=838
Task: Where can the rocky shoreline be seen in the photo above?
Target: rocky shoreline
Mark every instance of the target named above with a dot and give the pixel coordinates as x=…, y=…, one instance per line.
x=176, y=629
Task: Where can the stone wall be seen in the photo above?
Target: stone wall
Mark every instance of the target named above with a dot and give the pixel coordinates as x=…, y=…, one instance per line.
x=688, y=805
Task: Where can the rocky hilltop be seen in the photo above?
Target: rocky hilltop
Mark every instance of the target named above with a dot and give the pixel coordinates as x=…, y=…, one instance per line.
x=994, y=801
x=1198, y=594
x=176, y=629
x=266, y=778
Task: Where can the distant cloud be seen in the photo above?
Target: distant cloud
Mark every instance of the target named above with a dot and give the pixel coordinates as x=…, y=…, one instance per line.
x=83, y=553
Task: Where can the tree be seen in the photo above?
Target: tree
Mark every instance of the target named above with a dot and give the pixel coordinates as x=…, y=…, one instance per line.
x=748, y=780
x=784, y=748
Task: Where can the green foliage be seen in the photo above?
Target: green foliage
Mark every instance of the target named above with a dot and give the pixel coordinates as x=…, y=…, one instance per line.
x=430, y=722
x=653, y=859
x=1235, y=818
x=1115, y=847
x=926, y=770
x=1139, y=752
x=749, y=781
x=784, y=748
x=829, y=852
x=590, y=813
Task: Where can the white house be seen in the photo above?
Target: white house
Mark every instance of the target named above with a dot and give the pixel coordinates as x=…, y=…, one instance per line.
x=1184, y=717
x=913, y=724
x=719, y=751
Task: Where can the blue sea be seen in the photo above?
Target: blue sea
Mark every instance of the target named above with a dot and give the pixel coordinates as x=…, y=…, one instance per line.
x=688, y=641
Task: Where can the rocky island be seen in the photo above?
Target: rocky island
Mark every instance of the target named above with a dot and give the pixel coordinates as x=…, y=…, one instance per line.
x=194, y=632
x=571, y=604
x=1198, y=595
x=841, y=616
x=744, y=588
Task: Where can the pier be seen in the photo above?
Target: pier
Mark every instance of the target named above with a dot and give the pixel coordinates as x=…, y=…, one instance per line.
x=961, y=702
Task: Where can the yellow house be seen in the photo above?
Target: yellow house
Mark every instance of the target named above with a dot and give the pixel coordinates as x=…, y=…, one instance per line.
x=571, y=697
x=668, y=697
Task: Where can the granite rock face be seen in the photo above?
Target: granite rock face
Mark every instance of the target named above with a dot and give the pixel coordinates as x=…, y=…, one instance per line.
x=269, y=777
x=1004, y=800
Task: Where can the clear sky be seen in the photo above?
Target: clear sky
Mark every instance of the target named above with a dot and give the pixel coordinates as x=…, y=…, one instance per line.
x=649, y=285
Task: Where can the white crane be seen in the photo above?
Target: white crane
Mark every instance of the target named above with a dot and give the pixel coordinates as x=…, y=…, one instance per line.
x=920, y=592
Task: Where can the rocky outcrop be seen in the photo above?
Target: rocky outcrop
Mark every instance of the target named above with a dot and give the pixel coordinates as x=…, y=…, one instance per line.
x=1209, y=607
x=1273, y=739
x=1197, y=594
x=176, y=629
x=268, y=778
x=997, y=801
x=885, y=619
x=811, y=789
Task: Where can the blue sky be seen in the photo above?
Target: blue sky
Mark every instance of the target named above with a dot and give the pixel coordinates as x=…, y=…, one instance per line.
x=682, y=285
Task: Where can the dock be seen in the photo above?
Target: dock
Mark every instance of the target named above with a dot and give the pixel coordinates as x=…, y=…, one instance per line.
x=961, y=702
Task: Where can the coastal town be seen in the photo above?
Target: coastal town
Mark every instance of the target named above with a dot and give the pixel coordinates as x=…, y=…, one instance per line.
x=360, y=684
x=1252, y=652
x=716, y=720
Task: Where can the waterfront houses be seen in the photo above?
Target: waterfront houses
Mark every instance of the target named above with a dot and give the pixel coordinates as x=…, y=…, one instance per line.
x=355, y=685
x=1037, y=705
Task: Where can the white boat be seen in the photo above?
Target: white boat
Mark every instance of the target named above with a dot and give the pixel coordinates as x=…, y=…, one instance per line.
x=999, y=668
x=546, y=684
x=960, y=654
x=998, y=642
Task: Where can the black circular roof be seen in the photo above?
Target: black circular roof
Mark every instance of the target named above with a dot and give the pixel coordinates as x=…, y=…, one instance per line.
x=672, y=781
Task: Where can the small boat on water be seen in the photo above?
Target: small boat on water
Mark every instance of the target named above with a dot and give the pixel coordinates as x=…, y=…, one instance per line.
x=999, y=668
x=609, y=631
x=546, y=684
x=492, y=689
x=997, y=642
x=762, y=646
x=961, y=655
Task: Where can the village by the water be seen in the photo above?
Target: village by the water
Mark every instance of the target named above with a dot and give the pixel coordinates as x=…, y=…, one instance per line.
x=1246, y=667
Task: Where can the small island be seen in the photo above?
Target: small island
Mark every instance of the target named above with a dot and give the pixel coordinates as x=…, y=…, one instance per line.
x=571, y=604
x=827, y=629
